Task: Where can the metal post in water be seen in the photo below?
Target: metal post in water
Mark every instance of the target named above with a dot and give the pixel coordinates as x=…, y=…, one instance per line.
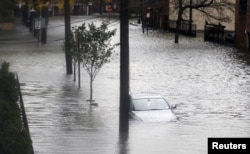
x=78, y=60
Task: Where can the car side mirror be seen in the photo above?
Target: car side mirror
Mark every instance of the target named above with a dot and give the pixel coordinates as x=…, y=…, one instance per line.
x=173, y=106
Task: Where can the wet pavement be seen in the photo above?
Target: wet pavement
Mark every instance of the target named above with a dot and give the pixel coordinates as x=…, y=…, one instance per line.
x=209, y=84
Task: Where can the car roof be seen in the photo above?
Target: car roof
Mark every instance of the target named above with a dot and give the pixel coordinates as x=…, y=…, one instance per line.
x=145, y=95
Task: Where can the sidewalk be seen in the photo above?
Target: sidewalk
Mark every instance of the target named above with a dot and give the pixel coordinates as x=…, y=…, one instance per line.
x=20, y=34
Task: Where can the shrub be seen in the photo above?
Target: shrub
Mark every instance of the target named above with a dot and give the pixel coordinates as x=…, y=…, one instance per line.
x=14, y=138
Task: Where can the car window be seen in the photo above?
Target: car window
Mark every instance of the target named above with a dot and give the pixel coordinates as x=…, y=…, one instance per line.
x=150, y=104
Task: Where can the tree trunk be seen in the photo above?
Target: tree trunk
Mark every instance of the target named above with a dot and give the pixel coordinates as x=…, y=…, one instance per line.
x=91, y=88
x=177, y=31
x=190, y=18
x=91, y=82
x=67, y=34
x=79, y=74
x=178, y=22
x=74, y=71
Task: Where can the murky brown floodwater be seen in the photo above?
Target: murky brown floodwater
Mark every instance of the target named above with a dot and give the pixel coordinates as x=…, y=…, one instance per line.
x=209, y=84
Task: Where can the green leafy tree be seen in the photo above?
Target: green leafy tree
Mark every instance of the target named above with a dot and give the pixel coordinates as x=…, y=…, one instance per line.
x=95, y=49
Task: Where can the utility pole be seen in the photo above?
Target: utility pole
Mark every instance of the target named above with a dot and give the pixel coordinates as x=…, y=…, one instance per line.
x=124, y=66
x=67, y=36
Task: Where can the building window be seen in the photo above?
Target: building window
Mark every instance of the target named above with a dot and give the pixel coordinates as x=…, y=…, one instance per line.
x=243, y=7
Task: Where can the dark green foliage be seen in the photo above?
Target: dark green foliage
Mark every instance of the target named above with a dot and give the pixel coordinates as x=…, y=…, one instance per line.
x=6, y=10
x=7, y=85
x=14, y=139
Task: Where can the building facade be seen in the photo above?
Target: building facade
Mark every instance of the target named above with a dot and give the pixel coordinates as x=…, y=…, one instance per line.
x=199, y=19
x=242, y=24
x=86, y=7
x=155, y=13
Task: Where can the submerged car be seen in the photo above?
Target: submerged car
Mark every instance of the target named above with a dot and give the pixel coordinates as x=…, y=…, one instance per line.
x=151, y=108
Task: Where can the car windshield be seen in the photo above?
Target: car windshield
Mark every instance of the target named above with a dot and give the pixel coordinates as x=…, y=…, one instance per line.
x=150, y=104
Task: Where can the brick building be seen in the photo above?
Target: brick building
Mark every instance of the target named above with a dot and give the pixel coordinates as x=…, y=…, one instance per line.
x=103, y=6
x=242, y=24
x=158, y=9
x=156, y=13
x=87, y=7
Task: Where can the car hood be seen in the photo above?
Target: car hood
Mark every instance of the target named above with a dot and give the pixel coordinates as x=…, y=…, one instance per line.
x=154, y=115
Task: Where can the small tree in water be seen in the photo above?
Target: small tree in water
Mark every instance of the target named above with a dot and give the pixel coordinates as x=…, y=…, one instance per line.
x=95, y=49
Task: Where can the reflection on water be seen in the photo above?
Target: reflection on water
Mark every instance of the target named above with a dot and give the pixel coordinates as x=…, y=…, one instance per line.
x=123, y=147
x=208, y=83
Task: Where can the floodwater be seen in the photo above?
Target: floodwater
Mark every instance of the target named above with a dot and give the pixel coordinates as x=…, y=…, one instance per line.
x=209, y=84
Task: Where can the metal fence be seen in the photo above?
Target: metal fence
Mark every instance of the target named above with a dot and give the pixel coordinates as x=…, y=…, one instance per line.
x=184, y=27
x=22, y=108
x=214, y=33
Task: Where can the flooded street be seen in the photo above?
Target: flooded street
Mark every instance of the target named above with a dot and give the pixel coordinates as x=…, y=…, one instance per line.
x=209, y=83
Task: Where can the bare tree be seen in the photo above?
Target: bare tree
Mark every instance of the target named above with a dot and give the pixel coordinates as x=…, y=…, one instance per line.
x=211, y=9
